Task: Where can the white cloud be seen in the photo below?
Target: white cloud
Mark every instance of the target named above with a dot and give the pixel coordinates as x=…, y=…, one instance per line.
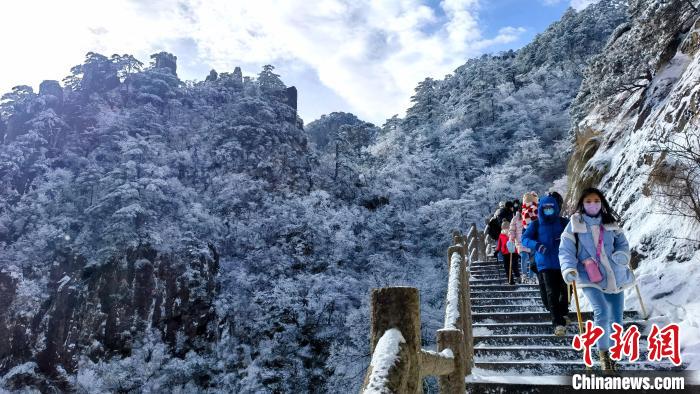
x=578, y=5
x=370, y=53
x=581, y=4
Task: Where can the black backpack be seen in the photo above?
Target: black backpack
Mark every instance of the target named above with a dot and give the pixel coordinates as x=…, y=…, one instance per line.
x=494, y=228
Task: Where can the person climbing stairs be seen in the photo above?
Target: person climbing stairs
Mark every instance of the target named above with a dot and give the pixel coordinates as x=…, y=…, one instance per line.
x=514, y=346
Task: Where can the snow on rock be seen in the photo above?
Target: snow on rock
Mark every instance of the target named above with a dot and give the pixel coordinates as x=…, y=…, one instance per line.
x=21, y=378
x=63, y=281
x=385, y=356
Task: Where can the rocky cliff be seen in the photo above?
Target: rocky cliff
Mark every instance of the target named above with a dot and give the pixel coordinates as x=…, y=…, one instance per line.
x=637, y=137
x=102, y=311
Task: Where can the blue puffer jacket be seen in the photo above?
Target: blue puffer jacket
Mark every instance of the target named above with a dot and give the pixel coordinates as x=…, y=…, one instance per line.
x=614, y=261
x=545, y=231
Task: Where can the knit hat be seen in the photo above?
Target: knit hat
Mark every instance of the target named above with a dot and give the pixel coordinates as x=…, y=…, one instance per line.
x=505, y=225
x=529, y=198
x=502, y=204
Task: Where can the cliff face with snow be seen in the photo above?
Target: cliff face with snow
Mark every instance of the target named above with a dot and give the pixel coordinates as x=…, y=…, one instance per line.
x=636, y=136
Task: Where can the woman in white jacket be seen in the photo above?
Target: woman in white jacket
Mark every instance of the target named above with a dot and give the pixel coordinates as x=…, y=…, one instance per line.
x=594, y=252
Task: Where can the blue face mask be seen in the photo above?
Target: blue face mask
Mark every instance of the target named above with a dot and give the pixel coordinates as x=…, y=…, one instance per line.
x=548, y=211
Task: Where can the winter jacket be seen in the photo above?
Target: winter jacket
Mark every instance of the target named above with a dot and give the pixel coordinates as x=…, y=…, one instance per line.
x=503, y=243
x=545, y=231
x=504, y=214
x=494, y=228
x=614, y=261
x=516, y=233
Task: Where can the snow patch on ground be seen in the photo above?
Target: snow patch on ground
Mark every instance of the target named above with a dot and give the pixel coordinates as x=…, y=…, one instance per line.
x=481, y=331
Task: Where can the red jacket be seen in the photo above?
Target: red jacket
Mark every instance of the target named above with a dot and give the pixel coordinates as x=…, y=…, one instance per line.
x=502, y=241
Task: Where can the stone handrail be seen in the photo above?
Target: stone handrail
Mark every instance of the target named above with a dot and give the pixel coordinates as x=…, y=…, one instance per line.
x=398, y=362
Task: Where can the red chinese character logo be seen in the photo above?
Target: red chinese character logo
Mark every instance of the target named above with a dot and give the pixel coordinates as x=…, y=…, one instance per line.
x=586, y=340
x=627, y=344
x=664, y=343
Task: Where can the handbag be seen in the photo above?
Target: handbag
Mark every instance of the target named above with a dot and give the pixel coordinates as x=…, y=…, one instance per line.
x=592, y=266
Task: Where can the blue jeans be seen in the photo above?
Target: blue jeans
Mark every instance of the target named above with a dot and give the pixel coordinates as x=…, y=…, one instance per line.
x=525, y=265
x=607, y=309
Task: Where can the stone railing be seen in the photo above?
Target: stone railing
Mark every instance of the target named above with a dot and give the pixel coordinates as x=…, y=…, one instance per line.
x=399, y=364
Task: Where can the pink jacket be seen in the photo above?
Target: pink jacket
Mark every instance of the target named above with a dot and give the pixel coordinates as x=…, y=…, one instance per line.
x=515, y=232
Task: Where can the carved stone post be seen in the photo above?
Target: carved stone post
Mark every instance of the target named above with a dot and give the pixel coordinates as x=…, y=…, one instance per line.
x=452, y=383
x=398, y=307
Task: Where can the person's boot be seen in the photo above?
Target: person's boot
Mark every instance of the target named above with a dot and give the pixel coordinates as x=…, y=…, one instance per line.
x=560, y=331
x=607, y=364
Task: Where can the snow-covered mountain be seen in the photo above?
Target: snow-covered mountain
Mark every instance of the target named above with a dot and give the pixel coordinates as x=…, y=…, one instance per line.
x=119, y=193
x=498, y=125
x=637, y=137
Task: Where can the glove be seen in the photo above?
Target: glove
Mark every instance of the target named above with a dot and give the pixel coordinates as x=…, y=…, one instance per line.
x=510, y=246
x=542, y=249
x=570, y=277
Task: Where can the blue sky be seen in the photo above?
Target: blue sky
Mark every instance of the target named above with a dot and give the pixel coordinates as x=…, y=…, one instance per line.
x=359, y=56
x=534, y=16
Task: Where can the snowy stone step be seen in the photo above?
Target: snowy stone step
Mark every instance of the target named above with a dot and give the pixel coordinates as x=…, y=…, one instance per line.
x=503, y=287
x=515, y=317
x=476, y=275
x=557, y=367
x=547, y=352
x=489, y=281
x=489, y=267
x=491, y=263
x=507, y=308
x=482, y=263
x=532, y=301
x=523, y=340
x=504, y=293
x=488, y=272
x=481, y=274
x=473, y=274
x=477, y=279
x=529, y=328
x=506, y=353
x=485, y=267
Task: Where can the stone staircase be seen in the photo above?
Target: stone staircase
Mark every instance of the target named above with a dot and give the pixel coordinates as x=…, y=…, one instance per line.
x=515, y=349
